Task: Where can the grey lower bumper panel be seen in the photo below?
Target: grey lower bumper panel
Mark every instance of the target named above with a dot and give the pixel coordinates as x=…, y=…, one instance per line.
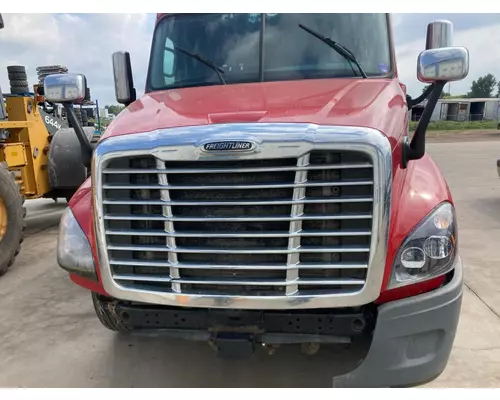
x=412, y=340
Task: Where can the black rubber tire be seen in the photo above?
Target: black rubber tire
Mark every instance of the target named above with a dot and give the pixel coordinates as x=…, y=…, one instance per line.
x=18, y=76
x=10, y=246
x=19, y=84
x=17, y=90
x=78, y=114
x=16, y=68
x=79, y=117
x=104, y=309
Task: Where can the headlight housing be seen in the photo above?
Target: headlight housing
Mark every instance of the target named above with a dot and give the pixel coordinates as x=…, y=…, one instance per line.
x=429, y=250
x=73, y=249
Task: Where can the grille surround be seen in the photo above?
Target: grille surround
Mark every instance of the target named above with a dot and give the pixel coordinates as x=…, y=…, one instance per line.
x=272, y=141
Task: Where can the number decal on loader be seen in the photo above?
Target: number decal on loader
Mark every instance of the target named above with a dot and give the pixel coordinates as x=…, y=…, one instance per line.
x=50, y=121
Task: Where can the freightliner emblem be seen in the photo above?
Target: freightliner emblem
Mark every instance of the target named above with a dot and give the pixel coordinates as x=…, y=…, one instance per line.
x=229, y=145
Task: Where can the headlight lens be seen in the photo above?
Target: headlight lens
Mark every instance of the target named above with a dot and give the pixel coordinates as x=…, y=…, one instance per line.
x=73, y=249
x=429, y=250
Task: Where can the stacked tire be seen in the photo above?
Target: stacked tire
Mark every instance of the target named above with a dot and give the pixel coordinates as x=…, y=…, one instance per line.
x=78, y=114
x=18, y=79
x=85, y=118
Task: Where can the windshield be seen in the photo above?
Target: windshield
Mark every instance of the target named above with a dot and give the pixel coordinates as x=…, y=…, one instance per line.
x=264, y=47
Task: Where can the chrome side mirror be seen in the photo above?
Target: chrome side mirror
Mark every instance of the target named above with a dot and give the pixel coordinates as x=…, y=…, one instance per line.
x=441, y=61
x=65, y=88
x=443, y=64
x=124, y=83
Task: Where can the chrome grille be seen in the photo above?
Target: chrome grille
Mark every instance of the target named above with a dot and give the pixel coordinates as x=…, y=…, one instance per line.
x=249, y=227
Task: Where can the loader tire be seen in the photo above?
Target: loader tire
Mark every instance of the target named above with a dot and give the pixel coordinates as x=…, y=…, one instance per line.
x=18, y=90
x=78, y=113
x=16, y=68
x=17, y=83
x=85, y=118
x=11, y=202
x=17, y=76
x=104, y=309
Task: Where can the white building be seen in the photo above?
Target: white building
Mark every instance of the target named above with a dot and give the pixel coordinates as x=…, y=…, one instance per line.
x=463, y=109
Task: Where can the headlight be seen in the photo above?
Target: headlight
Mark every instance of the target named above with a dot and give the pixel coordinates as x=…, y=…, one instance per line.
x=429, y=250
x=73, y=249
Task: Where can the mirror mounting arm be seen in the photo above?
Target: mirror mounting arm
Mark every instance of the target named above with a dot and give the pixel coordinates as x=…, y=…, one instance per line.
x=86, y=148
x=413, y=102
x=416, y=149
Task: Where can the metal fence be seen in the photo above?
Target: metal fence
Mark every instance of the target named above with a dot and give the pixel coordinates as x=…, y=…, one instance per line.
x=460, y=117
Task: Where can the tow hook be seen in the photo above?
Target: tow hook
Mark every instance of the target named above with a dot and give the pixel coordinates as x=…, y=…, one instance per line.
x=233, y=345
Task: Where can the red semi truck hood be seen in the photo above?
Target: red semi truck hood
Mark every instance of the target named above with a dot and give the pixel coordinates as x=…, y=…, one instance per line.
x=375, y=103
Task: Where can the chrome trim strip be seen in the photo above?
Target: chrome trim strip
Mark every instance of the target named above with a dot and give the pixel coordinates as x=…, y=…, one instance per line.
x=232, y=282
x=169, y=228
x=293, y=257
x=240, y=170
x=274, y=140
x=281, y=267
x=143, y=217
x=238, y=187
x=237, y=203
x=294, y=249
x=280, y=234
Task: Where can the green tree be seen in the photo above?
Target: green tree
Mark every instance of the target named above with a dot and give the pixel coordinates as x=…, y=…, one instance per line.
x=483, y=87
x=114, y=109
x=441, y=96
x=498, y=93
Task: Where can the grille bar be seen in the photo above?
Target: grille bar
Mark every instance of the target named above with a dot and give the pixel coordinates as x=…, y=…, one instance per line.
x=169, y=279
x=138, y=217
x=293, y=258
x=169, y=228
x=240, y=170
x=239, y=203
x=158, y=264
x=178, y=234
x=237, y=187
x=195, y=250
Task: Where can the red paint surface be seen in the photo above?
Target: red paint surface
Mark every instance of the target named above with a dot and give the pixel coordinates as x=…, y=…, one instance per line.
x=88, y=284
x=416, y=192
x=410, y=290
x=373, y=103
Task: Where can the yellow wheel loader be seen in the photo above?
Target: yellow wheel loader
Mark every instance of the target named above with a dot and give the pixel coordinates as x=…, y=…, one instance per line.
x=40, y=156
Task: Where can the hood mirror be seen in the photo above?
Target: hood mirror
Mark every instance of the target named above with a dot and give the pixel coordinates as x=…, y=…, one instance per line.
x=443, y=64
x=441, y=61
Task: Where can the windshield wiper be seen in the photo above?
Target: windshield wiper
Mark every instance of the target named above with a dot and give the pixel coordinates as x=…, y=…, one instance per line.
x=343, y=51
x=219, y=71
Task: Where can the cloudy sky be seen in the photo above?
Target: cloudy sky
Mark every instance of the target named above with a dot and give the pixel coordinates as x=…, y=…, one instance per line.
x=85, y=42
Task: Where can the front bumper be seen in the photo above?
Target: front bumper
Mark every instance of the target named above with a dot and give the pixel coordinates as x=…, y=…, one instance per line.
x=412, y=340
